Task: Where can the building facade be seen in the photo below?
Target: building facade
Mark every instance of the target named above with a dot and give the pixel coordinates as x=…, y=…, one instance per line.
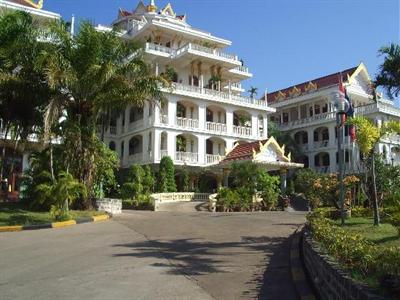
x=306, y=112
x=205, y=113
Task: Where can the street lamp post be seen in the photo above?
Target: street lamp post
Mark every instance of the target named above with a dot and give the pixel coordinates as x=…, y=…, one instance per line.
x=342, y=106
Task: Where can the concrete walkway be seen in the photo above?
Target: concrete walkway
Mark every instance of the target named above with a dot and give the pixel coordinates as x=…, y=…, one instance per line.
x=147, y=255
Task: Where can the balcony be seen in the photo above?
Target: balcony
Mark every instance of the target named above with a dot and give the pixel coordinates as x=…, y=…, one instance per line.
x=242, y=131
x=235, y=87
x=135, y=158
x=136, y=125
x=163, y=119
x=241, y=72
x=187, y=157
x=321, y=144
x=213, y=159
x=223, y=97
x=187, y=123
x=216, y=127
x=163, y=153
x=159, y=50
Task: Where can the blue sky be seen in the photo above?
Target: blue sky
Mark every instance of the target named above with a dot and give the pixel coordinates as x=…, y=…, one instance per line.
x=284, y=42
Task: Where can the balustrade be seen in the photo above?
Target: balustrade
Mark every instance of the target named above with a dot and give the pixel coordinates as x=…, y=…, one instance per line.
x=188, y=123
x=213, y=159
x=187, y=157
x=216, y=127
x=242, y=131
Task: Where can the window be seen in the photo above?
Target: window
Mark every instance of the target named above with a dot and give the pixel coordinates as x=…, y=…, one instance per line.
x=325, y=134
x=112, y=146
x=132, y=115
x=317, y=109
x=149, y=147
x=122, y=148
x=209, y=115
x=325, y=108
x=311, y=111
x=285, y=117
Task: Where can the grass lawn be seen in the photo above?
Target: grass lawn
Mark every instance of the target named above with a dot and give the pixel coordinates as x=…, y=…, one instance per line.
x=384, y=235
x=16, y=214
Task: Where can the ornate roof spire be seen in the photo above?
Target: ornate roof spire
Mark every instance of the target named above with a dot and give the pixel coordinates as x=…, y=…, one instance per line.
x=152, y=8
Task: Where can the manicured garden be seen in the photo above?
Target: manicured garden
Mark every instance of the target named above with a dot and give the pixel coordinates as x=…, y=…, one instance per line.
x=16, y=214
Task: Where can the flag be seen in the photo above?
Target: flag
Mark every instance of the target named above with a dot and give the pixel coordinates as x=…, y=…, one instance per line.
x=350, y=114
x=342, y=100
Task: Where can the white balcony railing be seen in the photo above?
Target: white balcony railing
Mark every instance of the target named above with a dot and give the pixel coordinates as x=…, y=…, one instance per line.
x=242, y=69
x=321, y=144
x=187, y=157
x=323, y=169
x=216, y=127
x=213, y=159
x=113, y=129
x=136, y=125
x=187, y=123
x=242, y=131
x=135, y=158
x=216, y=95
x=159, y=48
x=163, y=119
x=163, y=153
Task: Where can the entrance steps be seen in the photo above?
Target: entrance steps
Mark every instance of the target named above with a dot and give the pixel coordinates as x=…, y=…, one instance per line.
x=183, y=206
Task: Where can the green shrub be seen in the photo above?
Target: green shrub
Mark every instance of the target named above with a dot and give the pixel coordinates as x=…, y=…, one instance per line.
x=359, y=211
x=166, y=176
x=59, y=214
x=354, y=252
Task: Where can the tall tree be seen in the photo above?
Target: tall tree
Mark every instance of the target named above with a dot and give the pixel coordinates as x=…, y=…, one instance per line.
x=23, y=90
x=389, y=71
x=92, y=74
x=368, y=137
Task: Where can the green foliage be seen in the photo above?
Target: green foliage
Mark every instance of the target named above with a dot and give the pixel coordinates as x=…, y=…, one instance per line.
x=304, y=180
x=148, y=180
x=354, y=252
x=142, y=202
x=361, y=212
x=183, y=180
x=106, y=164
x=250, y=183
x=166, y=176
x=59, y=214
x=389, y=73
x=134, y=186
x=60, y=193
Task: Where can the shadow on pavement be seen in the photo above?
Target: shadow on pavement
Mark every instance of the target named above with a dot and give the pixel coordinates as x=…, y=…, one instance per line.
x=196, y=257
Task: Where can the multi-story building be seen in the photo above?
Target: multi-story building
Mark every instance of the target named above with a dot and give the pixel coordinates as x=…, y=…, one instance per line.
x=306, y=111
x=205, y=112
x=41, y=16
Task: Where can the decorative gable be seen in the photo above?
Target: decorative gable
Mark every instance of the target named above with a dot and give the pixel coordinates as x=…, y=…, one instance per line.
x=294, y=92
x=168, y=11
x=311, y=86
x=140, y=9
x=280, y=96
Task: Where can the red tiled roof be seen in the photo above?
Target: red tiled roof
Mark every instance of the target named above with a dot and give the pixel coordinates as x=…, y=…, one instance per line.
x=243, y=151
x=321, y=82
x=124, y=13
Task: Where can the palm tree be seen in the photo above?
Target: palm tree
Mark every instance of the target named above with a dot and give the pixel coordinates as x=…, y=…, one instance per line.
x=92, y=74
x=253, y=92
x=23, y=91
x=389, y=74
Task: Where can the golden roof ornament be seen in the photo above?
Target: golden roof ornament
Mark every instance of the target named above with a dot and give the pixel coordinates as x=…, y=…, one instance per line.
x=152, y=8
x=30, y=3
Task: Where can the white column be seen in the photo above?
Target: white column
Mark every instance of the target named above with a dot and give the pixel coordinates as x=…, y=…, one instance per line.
x=298, y=112
x=146, y=109
x=202, y=115
x=145, y=146
x=265, y=126
x=171, y=144
x=157, y=69
x=171, y=113
x=156, y=114
x=126, y=152
x=25, y=162
x=127, y=119
x=201, y=149
x=254, y=125
x=311, y=160
x=310, y=133
x=229, y=120
x=332, y=138
x=332, y=161
x=156, y=145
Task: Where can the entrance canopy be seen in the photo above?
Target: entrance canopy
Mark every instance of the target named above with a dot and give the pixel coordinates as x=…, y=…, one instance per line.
x=267, y=153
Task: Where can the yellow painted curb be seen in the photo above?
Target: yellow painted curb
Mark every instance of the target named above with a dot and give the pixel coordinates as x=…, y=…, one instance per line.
x=10, y=228
x=63, y=224
x=100, y=218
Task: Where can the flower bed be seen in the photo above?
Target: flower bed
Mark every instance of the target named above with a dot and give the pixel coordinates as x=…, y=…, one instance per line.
x=363, y=259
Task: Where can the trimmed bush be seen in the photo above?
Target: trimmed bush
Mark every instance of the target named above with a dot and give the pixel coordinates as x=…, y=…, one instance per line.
x=166, y=176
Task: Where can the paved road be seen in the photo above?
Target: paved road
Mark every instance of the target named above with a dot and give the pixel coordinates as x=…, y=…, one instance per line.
x=146, y=255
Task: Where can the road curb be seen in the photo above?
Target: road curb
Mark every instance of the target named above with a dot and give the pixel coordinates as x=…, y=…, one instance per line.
x=55, y=225
x=299, y=278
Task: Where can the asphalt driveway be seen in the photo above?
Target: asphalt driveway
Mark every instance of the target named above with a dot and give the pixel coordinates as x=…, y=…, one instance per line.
x=147, y=255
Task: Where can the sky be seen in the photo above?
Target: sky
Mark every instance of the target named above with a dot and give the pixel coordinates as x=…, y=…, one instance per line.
x=283, y=42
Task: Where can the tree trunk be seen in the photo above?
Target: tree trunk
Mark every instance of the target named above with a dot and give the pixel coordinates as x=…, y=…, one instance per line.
x=3, y=154
x=51, y=162
x=374, y=192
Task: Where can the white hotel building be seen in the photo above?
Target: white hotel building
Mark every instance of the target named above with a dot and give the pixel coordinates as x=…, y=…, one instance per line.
x=202, y=117
x=306, y=112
